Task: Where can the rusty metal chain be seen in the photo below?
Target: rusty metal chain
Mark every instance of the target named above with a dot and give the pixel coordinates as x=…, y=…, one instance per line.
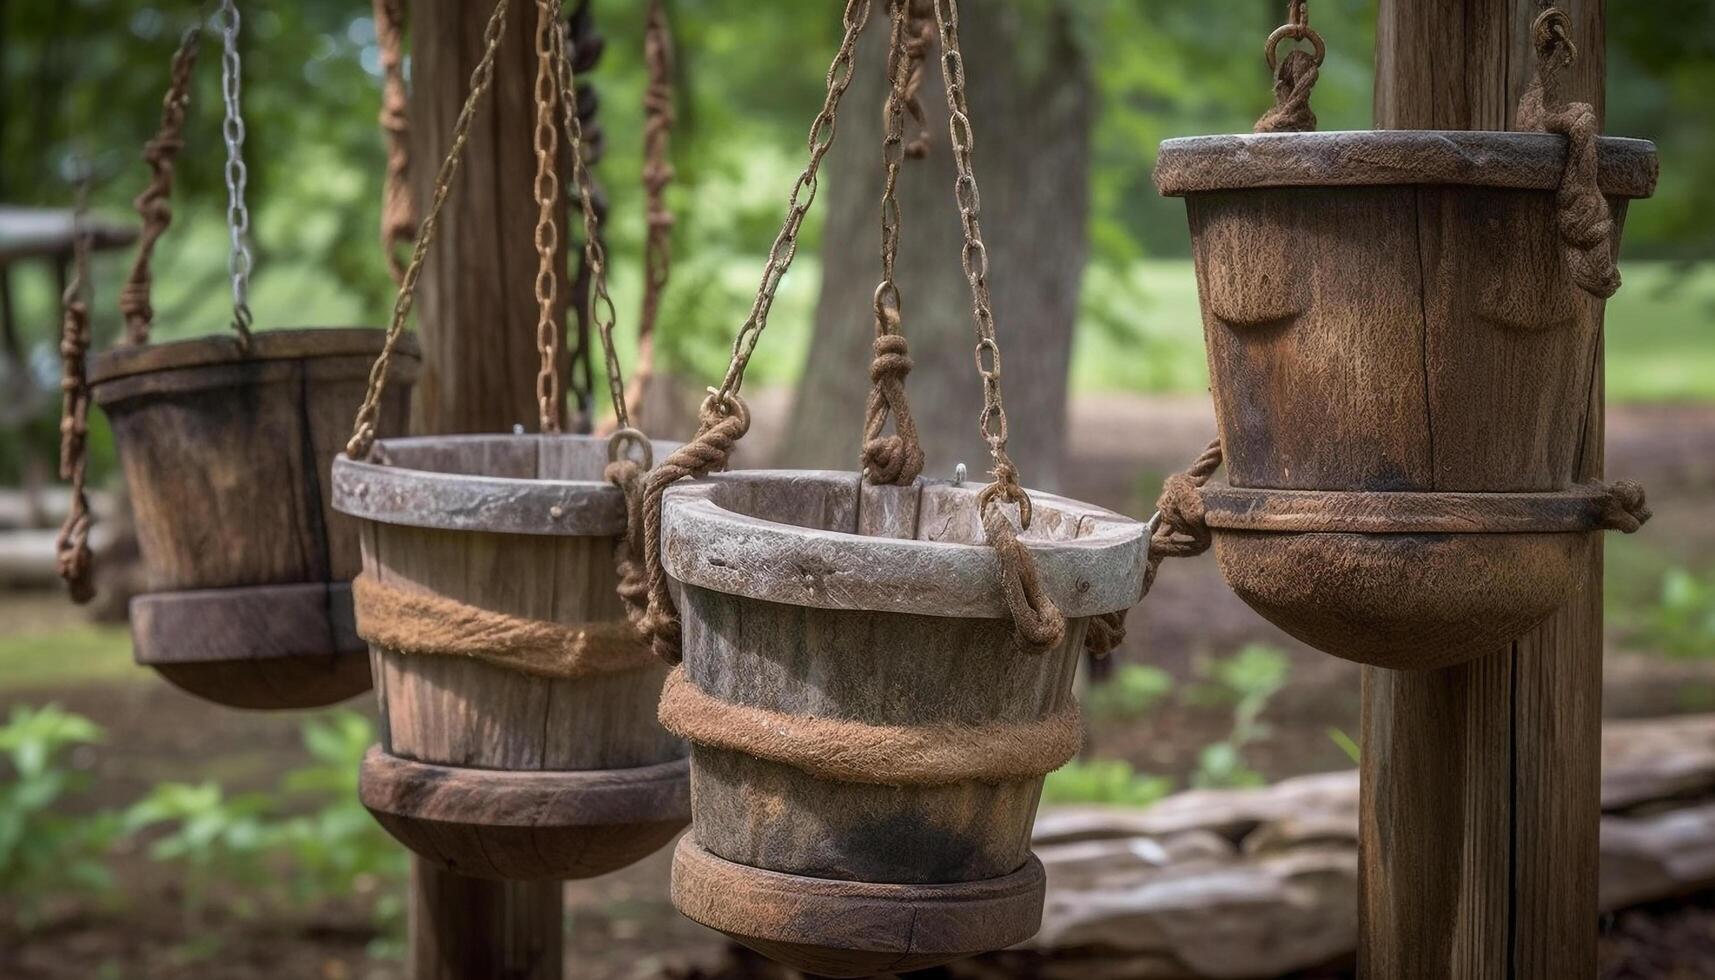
x=602, y=313
x=240, y=260
x=974, y=259
x=785, y=247
x=547, y=190
x=363, y=427
x=1296, y=28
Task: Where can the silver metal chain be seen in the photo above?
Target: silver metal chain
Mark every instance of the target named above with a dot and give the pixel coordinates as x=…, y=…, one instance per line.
x=232, y=129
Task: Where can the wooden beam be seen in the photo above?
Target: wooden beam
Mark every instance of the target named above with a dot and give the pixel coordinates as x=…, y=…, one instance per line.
x=1481, y=783
x=477, y=312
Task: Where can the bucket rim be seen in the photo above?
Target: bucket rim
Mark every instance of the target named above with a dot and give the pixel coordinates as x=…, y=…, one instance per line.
x=283, y=344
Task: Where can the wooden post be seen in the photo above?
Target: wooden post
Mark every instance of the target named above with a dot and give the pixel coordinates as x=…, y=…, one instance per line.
x=477, y=322
x=1481, y=783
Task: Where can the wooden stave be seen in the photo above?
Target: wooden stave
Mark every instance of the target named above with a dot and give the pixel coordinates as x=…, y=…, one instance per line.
x=492, y=699
x=207, y=431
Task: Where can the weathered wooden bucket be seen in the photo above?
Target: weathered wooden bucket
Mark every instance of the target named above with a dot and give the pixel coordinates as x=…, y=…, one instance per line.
x=867, y=743
x=519, y=738
x=1394, y=334
x=226, y=456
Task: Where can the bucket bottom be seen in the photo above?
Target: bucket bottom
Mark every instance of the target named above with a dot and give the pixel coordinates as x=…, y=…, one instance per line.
x=515, y=825
x=263, y=646
x=839, y=928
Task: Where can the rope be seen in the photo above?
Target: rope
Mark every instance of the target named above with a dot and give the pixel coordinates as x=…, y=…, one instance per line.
x=72, y=555
x=1182, y=528
x=1585, y=223
x=1624, y=508
x=1295, y=75
x=919, y=40
x=718, y=431
x=658, y=119
x=852, y=751
x=363, y=427
x=724, y=418
x=547, y=192
x=154, y=204
x=417, y=623
x=398, y=211
x=895, y=459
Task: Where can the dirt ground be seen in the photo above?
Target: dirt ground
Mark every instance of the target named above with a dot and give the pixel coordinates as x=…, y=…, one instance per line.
x=621, y=927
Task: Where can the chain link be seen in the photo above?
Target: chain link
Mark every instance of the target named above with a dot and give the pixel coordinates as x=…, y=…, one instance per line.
x=974, y=259
x=657, y=175
x=887, y=298
x=547, y=188
x=363, y=427
x=232, y=130
x=785, y=246
x=602, y=313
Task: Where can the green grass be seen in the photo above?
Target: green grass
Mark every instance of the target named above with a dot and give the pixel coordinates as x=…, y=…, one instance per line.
x=67, y=655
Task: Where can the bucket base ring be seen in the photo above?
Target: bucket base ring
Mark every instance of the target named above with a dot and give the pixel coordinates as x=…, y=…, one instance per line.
x=260, y=646
x=517, y=825
x=838, y=928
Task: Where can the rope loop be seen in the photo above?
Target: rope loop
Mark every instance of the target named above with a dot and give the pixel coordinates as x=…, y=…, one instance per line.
x=1038, y=624
x=154, y=204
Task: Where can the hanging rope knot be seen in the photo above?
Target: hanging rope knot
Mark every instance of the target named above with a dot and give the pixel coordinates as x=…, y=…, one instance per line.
x=630, y=477
x=723, y=420
x=1180, y=527
x=895, y=459
x=1584, y=222
x=1295, y=75
x=917, y=44
x=1624, y=508
x=1038, y=624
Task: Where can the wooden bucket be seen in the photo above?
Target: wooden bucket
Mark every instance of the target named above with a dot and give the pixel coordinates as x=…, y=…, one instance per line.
x=226, y=457
x=836, y=637
x=1394, y=335
x=491, y=764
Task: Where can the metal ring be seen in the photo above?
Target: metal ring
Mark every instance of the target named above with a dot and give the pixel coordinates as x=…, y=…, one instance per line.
x=1153, y=523
x=616, y=441
x=1013, y=493
x=1296, y=32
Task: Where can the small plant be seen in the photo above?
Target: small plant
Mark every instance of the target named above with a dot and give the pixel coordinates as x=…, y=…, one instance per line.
x=1682, y=621
x=1248, y=681
x=1131, y=692
x=44, y=852
x=1108, y=781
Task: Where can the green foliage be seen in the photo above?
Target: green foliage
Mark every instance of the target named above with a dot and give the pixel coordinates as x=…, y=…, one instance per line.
x=1347, y=744
x=1681, y=623
x=1131, y=692
x=1107, y=781
x=45, y=852
x=1246, y=681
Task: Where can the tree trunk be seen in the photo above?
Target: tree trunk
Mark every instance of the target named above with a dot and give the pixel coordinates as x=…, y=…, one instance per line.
x=1032, y=108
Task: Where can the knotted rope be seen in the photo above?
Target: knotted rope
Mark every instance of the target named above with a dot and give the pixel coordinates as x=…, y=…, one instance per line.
x=1624, y=508
x=72, y=556
x=895, y=459
x=1295, y=75
x=1181, y=529
x=1585, y=223
x=154, y=204
x=398, y=211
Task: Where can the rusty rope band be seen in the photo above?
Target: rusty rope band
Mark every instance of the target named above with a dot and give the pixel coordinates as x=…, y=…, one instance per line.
x=895, y=459
x=1586, y=224
x=398, y=211
x=1040, y=626
x=851, y=751
x=547, y=191
x=724, y=418
x=1295, y=75
x=363, y=427
x=72, y=556
x=154, y=204
x=658, y=117
x=411, y=622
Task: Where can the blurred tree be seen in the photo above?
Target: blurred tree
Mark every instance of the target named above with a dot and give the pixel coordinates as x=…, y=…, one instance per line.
x=1032, y=105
